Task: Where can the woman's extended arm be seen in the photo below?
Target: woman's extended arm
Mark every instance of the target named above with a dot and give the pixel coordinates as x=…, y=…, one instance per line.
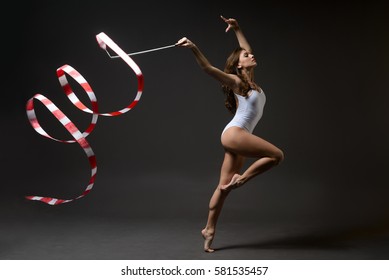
x=232, y=23
x=229, y=80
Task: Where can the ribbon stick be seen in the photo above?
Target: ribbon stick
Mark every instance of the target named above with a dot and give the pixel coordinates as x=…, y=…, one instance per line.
x=141, y=52
x=80, y=137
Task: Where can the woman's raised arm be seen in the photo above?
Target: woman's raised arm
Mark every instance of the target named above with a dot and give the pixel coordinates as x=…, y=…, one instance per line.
x=232, y=23
x=229, y=80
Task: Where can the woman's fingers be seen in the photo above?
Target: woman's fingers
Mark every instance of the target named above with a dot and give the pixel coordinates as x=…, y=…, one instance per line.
x=229, y=21
x=181, y=41
x=184, y=42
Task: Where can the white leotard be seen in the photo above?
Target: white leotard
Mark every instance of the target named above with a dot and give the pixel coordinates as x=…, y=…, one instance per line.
x=249, y=110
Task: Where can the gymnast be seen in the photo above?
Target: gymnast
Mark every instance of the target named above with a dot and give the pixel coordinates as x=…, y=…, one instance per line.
x=245, y=99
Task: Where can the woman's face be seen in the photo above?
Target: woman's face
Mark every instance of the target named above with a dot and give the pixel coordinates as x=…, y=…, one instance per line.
x=246, y=60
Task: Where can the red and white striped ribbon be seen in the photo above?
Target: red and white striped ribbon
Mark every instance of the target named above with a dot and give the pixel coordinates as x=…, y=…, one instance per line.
x=80, y=137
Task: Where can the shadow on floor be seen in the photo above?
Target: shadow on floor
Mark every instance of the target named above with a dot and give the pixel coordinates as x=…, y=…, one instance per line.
x=331, y=240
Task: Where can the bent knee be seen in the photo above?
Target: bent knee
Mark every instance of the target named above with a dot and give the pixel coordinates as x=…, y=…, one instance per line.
x=278, y=157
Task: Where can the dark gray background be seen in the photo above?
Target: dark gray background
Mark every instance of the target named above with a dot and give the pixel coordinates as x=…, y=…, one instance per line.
x=324, y=68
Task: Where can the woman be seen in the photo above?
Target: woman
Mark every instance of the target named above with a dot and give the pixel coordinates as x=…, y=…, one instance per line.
x=246, y=100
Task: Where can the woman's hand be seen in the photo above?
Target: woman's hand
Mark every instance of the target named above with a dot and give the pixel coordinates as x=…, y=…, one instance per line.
x=232, y=23
x=185, y=42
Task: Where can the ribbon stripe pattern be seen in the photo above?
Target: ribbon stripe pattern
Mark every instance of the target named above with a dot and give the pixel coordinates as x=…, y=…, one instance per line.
x=80, y=137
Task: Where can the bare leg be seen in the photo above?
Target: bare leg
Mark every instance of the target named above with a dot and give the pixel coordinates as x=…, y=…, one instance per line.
x=243, y=143
x=238, y=144
x=231, y=165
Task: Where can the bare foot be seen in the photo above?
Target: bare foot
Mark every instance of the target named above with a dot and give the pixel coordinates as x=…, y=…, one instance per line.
x=233, y=184
x=208, y=238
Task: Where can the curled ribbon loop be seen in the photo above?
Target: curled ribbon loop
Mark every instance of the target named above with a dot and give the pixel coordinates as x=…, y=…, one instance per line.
x=80, y=137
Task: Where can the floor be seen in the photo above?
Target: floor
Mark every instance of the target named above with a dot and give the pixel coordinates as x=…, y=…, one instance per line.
x=84, y=236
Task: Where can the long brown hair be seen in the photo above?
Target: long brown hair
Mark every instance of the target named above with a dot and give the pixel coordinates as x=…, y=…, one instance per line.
x=231, y=67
